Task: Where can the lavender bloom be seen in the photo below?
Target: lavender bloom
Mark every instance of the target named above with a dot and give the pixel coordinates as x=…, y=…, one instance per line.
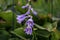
x=21, y=18
x=34, y=12
x=29, y=27
x=25, y=6
x=30, y=22
x=28, y=30
x=28, y=12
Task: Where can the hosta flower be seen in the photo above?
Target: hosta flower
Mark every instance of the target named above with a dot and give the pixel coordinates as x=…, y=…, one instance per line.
x=29, y=8
x=28, y=30
x=29, y=27
x=30, y=22
x=28, y=12
x=20, y=18
x=25, y=6
x=34, y=12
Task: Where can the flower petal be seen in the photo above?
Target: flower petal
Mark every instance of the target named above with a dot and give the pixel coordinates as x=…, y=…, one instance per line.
x=28, y=30
x=21, y=18
x=34, y=12
x=30, y=22
x=25, y=6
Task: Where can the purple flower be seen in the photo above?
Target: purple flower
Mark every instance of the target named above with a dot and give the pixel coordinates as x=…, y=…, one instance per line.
x=34, y=12
x=25, y=6
x=21, y=18
x=28, y=30
x=28, y=12
x=30, y=22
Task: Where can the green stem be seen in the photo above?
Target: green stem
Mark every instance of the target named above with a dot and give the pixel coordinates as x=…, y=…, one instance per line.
x=18, y=35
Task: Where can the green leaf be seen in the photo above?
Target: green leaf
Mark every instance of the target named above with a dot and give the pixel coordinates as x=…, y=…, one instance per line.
x=43, y=33
x=8, y=17
x=55, y=35
x=4, y=35
x=48, y=26
x=38, y=26
x=20, y=33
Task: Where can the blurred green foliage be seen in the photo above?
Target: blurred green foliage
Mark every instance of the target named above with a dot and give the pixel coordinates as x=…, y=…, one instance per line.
x=45, y=27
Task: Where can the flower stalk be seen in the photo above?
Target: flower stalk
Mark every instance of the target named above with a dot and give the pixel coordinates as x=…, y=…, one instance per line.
x=29, y=22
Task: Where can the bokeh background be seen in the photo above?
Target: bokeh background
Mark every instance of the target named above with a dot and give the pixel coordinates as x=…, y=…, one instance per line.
x=47, y=21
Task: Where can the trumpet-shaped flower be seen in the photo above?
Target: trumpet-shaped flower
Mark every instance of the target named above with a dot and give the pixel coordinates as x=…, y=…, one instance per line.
x=28, y=30
x=25, y=6
x=33, y=11
x=20, y=18
x=30, y=22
